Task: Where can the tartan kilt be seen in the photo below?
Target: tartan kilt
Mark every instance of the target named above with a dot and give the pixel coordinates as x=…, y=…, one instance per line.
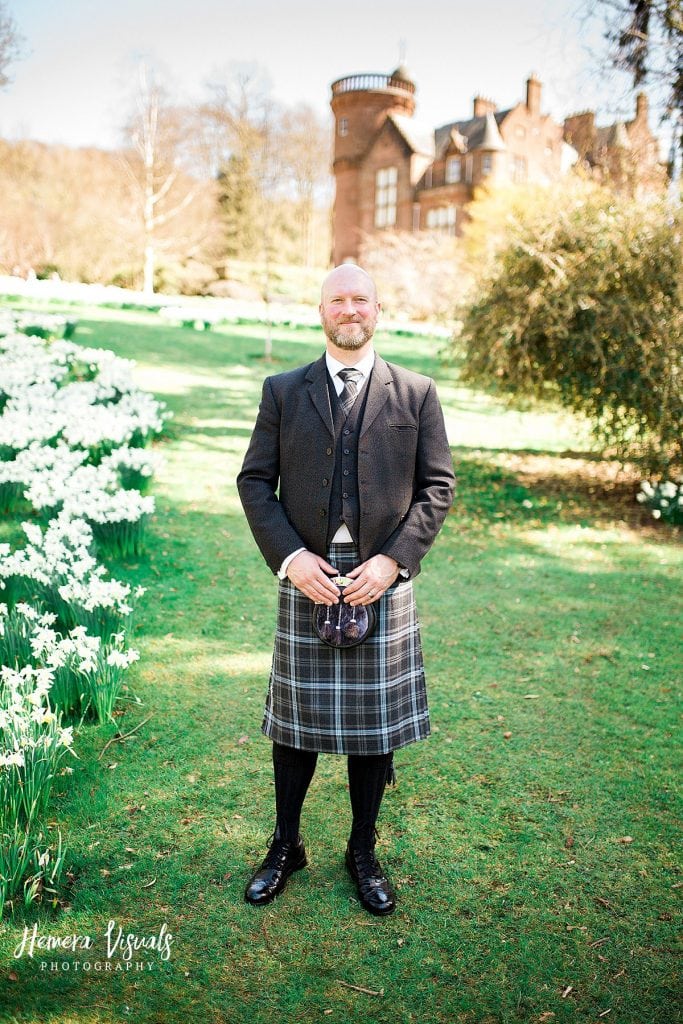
x=367, y=699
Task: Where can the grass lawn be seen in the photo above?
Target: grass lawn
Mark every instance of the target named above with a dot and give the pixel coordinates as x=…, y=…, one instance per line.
x=531, y=838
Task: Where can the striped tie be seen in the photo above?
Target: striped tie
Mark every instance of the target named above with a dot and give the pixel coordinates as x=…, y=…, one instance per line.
x=351, y=379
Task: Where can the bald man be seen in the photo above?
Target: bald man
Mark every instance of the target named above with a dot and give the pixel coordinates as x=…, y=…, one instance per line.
x=348, y=472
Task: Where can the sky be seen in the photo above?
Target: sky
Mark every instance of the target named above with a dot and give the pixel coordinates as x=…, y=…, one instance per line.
x=74, y=84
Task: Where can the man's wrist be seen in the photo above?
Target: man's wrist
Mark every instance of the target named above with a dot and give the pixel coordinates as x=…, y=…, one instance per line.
x=282, y=572
x=402, y=571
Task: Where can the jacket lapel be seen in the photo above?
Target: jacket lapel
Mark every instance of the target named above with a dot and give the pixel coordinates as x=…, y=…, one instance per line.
x=378, y=392
x=317, y=389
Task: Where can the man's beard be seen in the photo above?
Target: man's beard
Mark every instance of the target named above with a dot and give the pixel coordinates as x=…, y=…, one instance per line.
x=340, y=336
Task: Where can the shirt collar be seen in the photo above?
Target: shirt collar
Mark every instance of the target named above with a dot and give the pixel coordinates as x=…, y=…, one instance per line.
x=363, y=365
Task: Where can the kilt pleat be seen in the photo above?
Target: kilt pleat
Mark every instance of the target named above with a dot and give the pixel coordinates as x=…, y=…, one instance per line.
x=368, y=699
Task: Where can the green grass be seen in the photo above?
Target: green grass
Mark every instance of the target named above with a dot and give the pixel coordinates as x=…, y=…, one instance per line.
x=550, y=612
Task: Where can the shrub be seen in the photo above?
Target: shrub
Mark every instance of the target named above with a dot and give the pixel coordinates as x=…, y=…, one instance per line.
x=581, y=301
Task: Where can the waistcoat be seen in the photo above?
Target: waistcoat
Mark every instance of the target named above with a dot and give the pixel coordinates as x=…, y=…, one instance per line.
x=344, y=503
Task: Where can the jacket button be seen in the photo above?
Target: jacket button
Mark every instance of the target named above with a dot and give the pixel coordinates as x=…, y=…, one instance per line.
x=329, y=451
x=325, y=481
x=347, y=451
x=345, y=495
x=346, y=472
x=347, y=431
x=323, y=512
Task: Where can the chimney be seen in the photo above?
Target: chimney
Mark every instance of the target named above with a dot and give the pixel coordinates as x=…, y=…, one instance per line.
x=533, y=95
x=483, y=106
x=642, y=107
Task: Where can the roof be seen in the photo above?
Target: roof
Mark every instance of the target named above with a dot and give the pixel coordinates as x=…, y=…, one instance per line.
x=419, y=141
x=402, y=73
x=492, y=139
x=474, y=131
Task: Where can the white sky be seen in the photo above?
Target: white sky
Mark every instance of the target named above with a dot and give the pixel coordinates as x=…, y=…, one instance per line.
x=73, y=85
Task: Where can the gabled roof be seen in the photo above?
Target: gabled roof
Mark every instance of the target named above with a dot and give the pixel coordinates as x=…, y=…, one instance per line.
x=474, y=131
x=418, y=141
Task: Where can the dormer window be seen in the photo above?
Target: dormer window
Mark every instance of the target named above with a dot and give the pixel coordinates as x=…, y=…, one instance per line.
x=386, y=181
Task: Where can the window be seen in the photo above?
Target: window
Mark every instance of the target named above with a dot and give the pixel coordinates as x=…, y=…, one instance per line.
x=441, y=218
x=486, y=164
x=385, y=197
x=343, y=126
x=453, y=170
x=468, y=170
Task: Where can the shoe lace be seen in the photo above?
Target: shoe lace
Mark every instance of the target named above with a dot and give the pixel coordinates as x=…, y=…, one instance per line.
x=278, y=850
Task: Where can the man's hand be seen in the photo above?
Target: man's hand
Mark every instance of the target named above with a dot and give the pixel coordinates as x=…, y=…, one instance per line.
x=307, y=573
x=370, y=580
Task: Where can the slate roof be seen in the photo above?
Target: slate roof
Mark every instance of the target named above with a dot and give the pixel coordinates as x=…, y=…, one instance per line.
x=474, y=131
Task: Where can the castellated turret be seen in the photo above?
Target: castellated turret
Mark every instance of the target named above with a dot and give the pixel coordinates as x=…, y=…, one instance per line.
x=360, y=104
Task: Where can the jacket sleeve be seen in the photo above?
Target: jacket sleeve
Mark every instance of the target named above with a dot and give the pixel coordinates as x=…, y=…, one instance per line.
x=257, y=485
x=433, y=491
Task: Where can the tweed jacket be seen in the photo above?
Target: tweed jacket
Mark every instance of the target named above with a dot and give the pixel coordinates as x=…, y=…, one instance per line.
x=405, y=472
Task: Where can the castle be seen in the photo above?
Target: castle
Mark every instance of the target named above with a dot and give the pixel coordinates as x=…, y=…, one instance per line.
x=390, y=176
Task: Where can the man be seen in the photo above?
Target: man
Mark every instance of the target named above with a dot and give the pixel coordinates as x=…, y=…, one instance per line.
x=358, y=450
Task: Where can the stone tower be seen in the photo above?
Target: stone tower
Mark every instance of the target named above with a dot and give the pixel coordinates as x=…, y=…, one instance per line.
x=360, y=104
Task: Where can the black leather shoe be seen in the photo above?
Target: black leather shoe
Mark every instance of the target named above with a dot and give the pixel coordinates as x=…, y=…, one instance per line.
x=374, y=889
x=283, y=858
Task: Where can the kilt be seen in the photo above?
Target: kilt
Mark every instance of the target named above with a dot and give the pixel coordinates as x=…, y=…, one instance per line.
x=368, y=699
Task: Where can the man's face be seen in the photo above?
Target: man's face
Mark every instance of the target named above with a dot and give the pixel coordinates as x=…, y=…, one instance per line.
x=349, y=308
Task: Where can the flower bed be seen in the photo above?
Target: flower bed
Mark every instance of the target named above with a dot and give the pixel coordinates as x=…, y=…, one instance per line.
x=73, y=431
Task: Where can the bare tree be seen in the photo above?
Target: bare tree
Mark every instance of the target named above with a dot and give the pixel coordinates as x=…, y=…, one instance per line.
x=163, y=189
x=646, y=41
x=306, y=152
x=243, y=125
x=10, y=43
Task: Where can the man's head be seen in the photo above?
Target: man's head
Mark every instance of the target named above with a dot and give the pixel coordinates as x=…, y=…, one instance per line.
x=349, y=308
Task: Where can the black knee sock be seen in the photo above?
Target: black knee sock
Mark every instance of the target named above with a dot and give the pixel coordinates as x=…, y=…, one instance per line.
x=293, y=770
x=368, y=776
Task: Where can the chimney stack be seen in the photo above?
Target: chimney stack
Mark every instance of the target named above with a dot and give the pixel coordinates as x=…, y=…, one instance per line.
x=642, y=107
x=533, y=95
x=483, y=106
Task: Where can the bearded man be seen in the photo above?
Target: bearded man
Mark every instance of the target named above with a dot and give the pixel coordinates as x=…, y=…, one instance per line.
x=348, y=472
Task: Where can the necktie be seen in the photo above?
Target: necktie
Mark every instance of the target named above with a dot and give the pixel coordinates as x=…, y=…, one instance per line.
x=351, y=379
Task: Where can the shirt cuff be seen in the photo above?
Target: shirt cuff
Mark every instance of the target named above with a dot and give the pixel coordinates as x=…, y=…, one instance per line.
x=282, y=572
